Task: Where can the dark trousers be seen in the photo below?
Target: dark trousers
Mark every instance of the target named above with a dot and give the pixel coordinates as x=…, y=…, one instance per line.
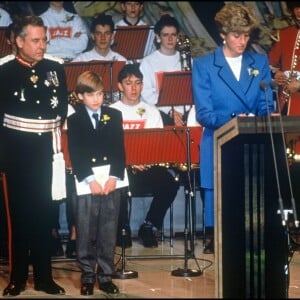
x=96, y=229
x=31, y=230
x=156, y=181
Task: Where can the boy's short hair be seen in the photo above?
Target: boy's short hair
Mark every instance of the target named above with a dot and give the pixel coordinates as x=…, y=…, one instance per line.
x=102, y=19
x=128, y=70
x=88, y=82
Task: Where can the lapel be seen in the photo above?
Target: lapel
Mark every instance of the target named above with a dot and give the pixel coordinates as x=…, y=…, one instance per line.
x=85, y=118
x=103, y=112
x=241, y=87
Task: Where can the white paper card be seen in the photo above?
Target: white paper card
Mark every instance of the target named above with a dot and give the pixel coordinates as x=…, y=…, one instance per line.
x=101, y=174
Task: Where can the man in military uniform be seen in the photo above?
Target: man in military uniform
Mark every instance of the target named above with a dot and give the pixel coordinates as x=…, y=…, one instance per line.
x=32, y=108
x=284, y=61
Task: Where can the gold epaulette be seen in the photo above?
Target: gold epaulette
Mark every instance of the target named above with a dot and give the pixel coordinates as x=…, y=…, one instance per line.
x=54, y=58
x=7, y=58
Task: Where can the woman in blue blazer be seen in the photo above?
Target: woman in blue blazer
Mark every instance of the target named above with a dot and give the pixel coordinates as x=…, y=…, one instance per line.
x=227, y=83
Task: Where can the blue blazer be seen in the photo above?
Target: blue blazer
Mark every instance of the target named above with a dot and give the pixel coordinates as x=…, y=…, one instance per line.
x=218, y=96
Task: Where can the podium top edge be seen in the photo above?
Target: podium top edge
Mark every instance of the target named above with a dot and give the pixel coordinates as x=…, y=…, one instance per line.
x=259, y=125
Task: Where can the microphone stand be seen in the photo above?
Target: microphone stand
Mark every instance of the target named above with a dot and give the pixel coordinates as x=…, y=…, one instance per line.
x=282, y=212
x=123, y=273
x=185, y=272
x=274, y=86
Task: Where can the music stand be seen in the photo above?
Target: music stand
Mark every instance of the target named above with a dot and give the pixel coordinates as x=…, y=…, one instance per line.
x=4, y=46
x=152, y=146
x=131, y=41
x=169, y=95
x=175, y=88
x=107, y=69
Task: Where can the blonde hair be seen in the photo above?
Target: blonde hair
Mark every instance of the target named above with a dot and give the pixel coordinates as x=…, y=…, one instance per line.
x=88, y=82
x=235, y=17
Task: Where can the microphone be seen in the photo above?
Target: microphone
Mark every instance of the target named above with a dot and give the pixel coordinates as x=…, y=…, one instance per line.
x=264, y=86
x=274, y=85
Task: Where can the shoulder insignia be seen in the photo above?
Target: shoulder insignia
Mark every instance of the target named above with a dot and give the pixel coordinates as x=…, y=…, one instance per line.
x=54, y=58
x=7, y=58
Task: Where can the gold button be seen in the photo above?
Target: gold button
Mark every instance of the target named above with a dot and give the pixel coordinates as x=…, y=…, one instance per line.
x=104, y=158
x=93, y=159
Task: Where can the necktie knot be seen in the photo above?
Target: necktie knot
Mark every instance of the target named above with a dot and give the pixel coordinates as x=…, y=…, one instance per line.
x=96, y=117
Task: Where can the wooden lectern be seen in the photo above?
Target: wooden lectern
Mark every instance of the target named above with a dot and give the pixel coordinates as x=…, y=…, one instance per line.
x=250, y=240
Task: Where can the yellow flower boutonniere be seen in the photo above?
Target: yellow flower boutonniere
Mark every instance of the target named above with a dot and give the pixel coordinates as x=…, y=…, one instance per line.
x=105, y=119
x=68, y=18
x=140, y=111
x=253, y=72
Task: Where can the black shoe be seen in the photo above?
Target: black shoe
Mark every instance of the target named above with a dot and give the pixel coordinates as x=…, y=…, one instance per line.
x=124, y=239
x=209, y=247
x=147, y=235
x=109, y=287
x=50, y=288
x=87, y=289
x=71, y=249
x=14, y=289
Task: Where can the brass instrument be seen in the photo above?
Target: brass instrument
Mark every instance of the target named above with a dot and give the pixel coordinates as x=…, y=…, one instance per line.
x=284, y=96
x=184, y=48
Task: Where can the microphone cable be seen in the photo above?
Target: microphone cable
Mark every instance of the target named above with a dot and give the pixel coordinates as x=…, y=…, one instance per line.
x=264, y=87
x=274, y=87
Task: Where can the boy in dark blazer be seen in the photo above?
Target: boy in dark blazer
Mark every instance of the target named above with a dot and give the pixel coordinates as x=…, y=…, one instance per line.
x=94, y=143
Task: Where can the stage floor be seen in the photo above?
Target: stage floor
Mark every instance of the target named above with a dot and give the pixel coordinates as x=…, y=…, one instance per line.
x=155, y=279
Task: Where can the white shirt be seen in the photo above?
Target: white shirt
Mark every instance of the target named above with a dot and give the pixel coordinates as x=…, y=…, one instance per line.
x=139, y=116
x=94, y=55
x=235, y=64
x=191, y=119
x=61, y=28
x=5, y=18
x=150, y=65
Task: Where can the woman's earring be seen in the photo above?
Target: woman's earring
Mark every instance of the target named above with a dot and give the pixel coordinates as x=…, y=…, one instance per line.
x=158, y=40
x=224, y=42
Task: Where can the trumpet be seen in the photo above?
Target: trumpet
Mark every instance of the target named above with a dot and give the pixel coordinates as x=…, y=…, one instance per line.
x=184, y=48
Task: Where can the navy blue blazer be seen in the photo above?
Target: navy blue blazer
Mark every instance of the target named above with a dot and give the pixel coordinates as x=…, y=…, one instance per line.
x=218, y=95
x=89, y=148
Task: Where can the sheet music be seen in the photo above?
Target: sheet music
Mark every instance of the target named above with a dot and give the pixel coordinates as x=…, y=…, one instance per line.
x=101, y=174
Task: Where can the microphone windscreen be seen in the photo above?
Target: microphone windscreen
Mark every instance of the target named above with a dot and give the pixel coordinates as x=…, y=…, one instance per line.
x=274, y=85
x=263, y=85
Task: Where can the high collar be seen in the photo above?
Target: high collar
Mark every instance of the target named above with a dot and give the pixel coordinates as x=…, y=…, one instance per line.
x=24, y=62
